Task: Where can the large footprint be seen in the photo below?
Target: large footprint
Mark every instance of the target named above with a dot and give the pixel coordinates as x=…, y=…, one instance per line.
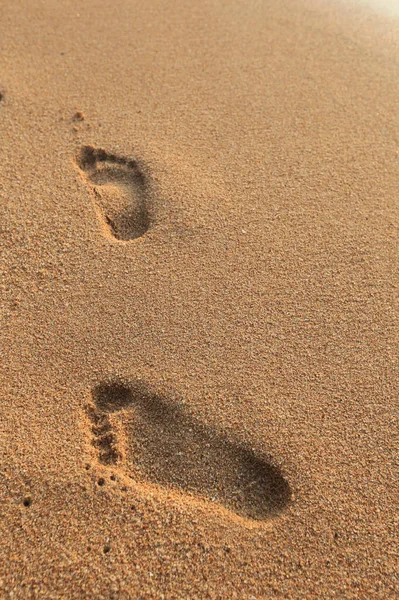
x=119, y=187
x=167, y=446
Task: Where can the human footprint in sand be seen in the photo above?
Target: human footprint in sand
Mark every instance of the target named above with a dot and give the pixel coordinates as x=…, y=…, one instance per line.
x=165, y=445
x=119, y=187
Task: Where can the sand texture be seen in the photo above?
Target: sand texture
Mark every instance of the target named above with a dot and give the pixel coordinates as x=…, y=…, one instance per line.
x=199, y=300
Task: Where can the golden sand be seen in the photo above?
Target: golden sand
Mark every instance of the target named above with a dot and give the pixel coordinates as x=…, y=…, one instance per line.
x=199, y=273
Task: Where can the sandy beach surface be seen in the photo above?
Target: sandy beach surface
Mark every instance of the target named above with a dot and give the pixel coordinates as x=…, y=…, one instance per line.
x=199, y=300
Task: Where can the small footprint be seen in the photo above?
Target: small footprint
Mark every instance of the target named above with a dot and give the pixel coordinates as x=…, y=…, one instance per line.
x=119, y=187
x=163, y=444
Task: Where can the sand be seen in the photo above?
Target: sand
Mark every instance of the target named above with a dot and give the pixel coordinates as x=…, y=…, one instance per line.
x=199, y=283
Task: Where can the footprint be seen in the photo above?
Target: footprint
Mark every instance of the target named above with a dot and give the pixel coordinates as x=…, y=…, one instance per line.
x=119, y=188
x=167, y=446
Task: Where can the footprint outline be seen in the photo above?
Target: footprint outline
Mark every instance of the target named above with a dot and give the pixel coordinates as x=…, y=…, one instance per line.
x=228, y=472
x=120, y=190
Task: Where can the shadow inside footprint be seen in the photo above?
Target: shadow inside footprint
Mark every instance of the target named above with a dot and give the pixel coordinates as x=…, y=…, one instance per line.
x=169, y=447
x=120, y=190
